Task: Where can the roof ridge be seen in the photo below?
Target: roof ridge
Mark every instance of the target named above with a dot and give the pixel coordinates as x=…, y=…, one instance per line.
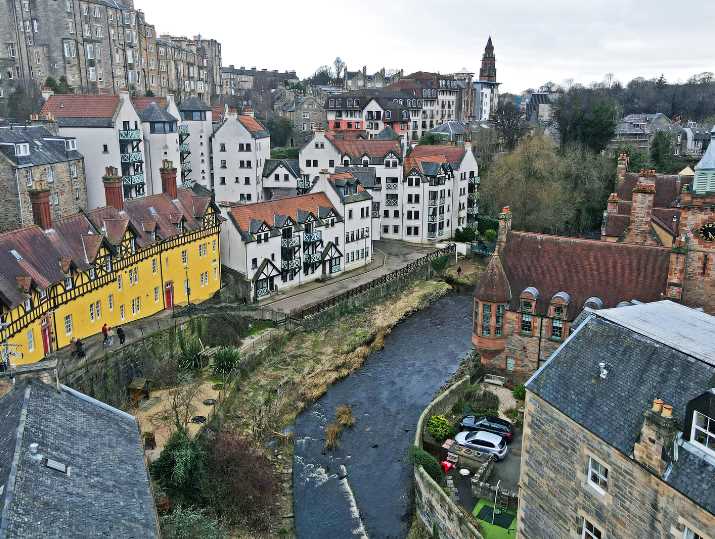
x=10, y=490
x=588, y=240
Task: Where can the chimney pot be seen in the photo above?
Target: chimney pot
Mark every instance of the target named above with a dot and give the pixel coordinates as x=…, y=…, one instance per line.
x=40, y=200
x=113, y=189
x=168, y=179
x=667, y=411
x=657, y=406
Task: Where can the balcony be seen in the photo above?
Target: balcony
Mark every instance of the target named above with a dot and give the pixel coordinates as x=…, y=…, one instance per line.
x=183, y=129
x=304, y=184
x=288, y=265
x=262, y=291
x=392, y=186
x=133, y=179
x=475, y=180
x=474, y=196
x=391, y=202
x=313, y=258
x=472, y=211
x=184, y=148
x=290, y=242
x=186, y=166
x=132, y=157
x=312, y=237
x=130, y=135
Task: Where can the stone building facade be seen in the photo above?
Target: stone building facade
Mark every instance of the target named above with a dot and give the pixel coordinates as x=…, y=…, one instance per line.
x=535, y=286
x=34, y=165
x=100, y=46
x=608, y=449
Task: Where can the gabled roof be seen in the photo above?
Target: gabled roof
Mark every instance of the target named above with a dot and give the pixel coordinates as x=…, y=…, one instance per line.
x=153, y=112
x=493, y=286
x=613, y=272
x=293, y=165
x=651, y=351
x=365, y=175
x=246, y=217
x=388, y=134
x=75, y=110
x=106, y=492
x=140, y=103
x=253, y=126
x=708, y=160
x=45, y=148
x=450, y=128
x=375, y=149
x=348, y=187
x=453, y=154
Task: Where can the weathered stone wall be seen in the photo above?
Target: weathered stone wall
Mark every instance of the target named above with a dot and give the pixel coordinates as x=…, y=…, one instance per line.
x=555, y=494
x=434, y=507
x=699, y=282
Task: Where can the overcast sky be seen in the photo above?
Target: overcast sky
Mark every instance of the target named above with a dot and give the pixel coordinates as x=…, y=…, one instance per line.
x=535, y=41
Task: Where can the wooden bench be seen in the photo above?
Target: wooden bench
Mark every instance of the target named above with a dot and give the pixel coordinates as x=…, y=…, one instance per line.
x=494, y=380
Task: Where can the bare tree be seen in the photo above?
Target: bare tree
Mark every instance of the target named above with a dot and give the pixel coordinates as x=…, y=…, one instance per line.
x=608, y=79
x=181, y=406
x=339, y=66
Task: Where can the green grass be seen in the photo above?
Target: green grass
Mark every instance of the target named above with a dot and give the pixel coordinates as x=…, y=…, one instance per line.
x=257, y=326
x=490, y=531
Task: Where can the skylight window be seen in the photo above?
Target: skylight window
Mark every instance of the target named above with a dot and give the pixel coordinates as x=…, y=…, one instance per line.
x=22, y=150
x=17, y=255
x=57, y=466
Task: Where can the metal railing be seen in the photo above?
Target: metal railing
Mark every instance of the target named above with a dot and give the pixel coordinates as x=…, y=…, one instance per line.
x=184, y=148
x=312, y=258
x=475, y=180
x=183, y=129
x=472, y=211
x=130, y=134
x=392, y=186
x=391, y=202
x=312, y=237
x=133, y=179
x=288, y=265
x=290, y=242
x=132, y=157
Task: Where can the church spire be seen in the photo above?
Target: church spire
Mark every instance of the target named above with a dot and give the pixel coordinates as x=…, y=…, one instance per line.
x=488, y=72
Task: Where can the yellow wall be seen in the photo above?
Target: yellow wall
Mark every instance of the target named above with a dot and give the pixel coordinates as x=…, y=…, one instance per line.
x=148, y=289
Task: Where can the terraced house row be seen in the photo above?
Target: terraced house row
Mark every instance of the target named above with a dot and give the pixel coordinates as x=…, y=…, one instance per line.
x=63, y=279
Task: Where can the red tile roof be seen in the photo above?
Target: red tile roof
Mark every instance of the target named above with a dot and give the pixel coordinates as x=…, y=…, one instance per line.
x=372, y=148
x=267, y=211
x=613, y=272
x=453, y=154
x=140, y=103
x=81, y=106
x=250, y=123
x=493, y=286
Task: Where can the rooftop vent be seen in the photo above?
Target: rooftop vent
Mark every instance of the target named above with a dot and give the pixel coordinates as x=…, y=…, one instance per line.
x=34, y=454
x=603, y=370
x=57, y=466
x=17, y=255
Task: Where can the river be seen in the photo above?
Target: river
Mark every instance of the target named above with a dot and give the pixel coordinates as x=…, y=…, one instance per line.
x=387, y=396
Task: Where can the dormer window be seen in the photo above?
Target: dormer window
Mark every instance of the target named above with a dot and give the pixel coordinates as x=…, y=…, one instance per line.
x=27, y=304
x=71, y=145
x=92, y=274
x=108, y=264
x=346, y=162
x=69, y=284
x=365, y=161
x=703, y=432
x=22, y=150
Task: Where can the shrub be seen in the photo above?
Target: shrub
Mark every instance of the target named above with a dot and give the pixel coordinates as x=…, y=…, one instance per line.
x=180, y=468
x=440, y=428
x=344, y=415
x=486, y=399
x=420, y=457
x=471, y=392
x=240, y=483
x=226, y=360
x=514, y=416
x=190, y=357
x=458, y=407
x=490, y=235
x=465, y=235
x=519, y=392
x=332, y=435
x=187, y=523
x=440, y=264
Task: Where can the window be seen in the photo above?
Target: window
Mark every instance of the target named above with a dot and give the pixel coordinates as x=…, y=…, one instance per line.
x=498, y=327
x=690, y=534
x=202, y=249
x=222, y=147
x=154, y=265
x=486, y=319
x=91, y=312
x=254, y=263
x=121, y=312
x=557, y=329
x=136, y=306
x=223, y=163
x=30, y=341
x=184, y=257
x=589, y=531
x=205, y=278
x=597, y=475
x=68, y=283
x=703, y=432
x=156, y=294
x=22, y=150
x=68, y=324
x=110, y=302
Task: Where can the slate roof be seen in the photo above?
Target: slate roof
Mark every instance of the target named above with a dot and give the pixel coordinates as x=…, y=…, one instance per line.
x=155, y=113
x=450, y=128
x=348, y=188
x=193, y=104
x=293, y=165
x=365, y=175
x=613, y=272
x=248, y=218
x=45, y=148
x=388, y=134
x=107, y=492
x=708, y=160
x=82, y=110
x=641, y=368
x=46, y=255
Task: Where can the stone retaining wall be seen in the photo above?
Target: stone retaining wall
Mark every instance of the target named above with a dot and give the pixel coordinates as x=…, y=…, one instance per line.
x=437, y=510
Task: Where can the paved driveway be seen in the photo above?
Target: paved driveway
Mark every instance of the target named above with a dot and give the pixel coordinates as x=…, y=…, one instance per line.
x=388, y=256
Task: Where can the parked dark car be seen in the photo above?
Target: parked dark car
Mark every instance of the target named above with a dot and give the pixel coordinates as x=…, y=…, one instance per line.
x=488, y=423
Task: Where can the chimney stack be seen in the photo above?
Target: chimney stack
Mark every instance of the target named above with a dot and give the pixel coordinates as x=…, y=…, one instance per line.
x=621, y=168
x=654, y=448
x=642, y=208
x=504, y=228
x=613, y=201
x=113, y=189
x=168, y=178
x=40, y=200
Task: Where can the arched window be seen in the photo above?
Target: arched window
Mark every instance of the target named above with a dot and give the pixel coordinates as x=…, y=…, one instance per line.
x=527, y=308
x=557, y=314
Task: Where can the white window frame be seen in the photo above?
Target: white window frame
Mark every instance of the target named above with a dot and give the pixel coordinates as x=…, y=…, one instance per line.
x=708, y=431
x=599, y=471
x=69, y=324
x=689, y=533
x=588, y=534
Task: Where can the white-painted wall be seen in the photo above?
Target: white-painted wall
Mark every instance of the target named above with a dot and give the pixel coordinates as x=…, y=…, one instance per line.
x=199, y=144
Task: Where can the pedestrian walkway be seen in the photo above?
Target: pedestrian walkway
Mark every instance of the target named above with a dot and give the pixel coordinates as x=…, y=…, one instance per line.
x=389, y=256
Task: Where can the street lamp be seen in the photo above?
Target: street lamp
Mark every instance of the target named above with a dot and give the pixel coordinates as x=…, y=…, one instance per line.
x=187, y=285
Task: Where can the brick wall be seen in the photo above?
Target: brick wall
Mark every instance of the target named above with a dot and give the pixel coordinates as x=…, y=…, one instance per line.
x=554, y=494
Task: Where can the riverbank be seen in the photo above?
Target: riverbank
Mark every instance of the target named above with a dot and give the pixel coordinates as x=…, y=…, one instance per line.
x=300, y=368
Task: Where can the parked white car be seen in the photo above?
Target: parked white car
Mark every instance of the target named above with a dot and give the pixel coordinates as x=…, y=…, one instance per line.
x=484, y=442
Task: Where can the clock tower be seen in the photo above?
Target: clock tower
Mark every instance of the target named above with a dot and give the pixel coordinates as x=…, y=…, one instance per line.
x=697, y=228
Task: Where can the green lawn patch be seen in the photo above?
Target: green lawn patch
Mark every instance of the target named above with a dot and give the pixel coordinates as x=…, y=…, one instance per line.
x=489, y=530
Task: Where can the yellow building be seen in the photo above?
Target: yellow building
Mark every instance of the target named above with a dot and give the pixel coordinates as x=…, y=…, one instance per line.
x=132, y=259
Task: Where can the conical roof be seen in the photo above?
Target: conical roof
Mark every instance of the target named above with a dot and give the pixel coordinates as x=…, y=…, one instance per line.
x=493, y=285
x=708, y=160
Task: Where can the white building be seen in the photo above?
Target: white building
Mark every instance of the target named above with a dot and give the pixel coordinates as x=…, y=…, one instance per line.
x=282, y=243
x=280, y=178
x=353, y=201
x=195, y=131
x=159, y=118
x=240, y=148
x=108, y=130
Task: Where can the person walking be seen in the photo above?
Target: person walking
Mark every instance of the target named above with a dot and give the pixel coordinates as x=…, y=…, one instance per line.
x=105, y=334
x=122, y=336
